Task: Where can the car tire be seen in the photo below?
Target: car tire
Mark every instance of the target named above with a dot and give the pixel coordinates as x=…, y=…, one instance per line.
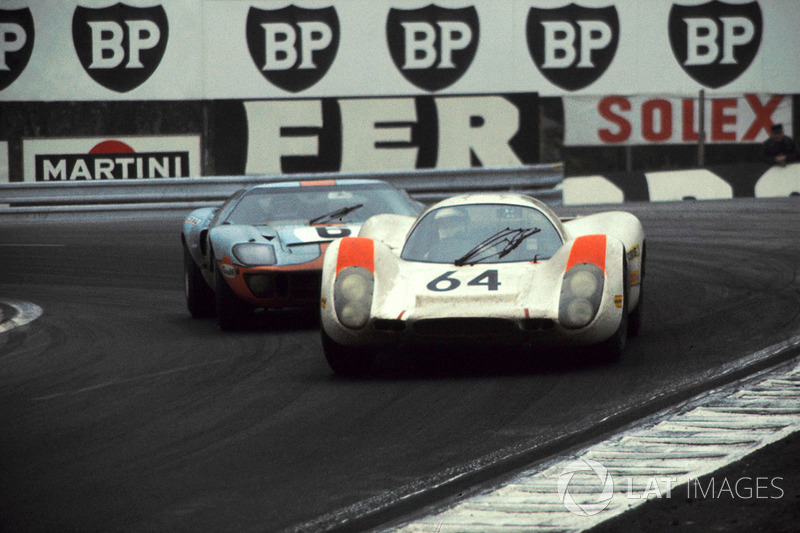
x=346, y=361
x=610, y=351
x=635, y=318
x=232, y=313
x=199, y=295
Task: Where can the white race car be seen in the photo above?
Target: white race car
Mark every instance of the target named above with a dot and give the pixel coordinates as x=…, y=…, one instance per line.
x=497, y=268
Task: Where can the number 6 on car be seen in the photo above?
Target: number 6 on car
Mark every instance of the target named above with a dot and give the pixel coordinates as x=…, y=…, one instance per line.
x=501, y=268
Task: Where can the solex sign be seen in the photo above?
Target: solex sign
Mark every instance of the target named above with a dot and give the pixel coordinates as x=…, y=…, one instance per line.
x=628, y=120
x=120, y=46
x=715, y=42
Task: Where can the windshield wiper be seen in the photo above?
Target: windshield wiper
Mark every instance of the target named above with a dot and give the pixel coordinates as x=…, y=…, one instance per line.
x=334, y=214
x=512, y=237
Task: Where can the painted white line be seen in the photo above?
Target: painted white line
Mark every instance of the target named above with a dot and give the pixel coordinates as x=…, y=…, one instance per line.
x=26, y=312
x=652, y=459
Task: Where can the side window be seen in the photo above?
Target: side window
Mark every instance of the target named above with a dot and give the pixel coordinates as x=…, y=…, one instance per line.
x=226, y=208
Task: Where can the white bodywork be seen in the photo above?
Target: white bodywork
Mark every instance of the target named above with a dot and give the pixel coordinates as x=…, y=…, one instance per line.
x=524, y=293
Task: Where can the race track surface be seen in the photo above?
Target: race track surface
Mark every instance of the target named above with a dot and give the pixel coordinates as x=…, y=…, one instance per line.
x=119, y=411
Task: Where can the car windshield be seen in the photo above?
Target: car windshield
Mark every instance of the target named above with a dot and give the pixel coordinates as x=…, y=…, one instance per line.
x=486, y=233
x=319, y=204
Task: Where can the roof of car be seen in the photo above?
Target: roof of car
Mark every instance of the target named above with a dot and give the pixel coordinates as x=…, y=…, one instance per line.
x=320, y=182
x=492, y=198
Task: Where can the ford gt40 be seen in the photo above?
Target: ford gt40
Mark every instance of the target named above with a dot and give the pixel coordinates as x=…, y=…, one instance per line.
x=496, y=268
x=263, y=247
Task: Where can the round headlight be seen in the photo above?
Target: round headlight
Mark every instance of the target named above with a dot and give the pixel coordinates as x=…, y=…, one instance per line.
x=354, y=287
x=581, y=294
x=579, y=313
x=583, y=284
x=354, y=315
x=352, y=296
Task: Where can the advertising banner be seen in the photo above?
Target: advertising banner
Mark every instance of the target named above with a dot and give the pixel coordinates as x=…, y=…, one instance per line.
x=4, y=162
x=399, y=133
x=106, y=158
x=256, y=49
x=638, y=120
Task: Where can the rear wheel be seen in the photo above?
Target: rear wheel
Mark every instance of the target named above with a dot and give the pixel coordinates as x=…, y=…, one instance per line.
x=199, y=296
x=232, y=313
x=346, y=360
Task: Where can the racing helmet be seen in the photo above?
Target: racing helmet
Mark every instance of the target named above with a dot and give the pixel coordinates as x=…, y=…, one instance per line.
x=451, y=223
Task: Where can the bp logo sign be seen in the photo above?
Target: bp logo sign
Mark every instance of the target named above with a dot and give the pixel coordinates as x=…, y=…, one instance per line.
x=432, y=47
x=120, y=46
x=293, y=47
x=603, y=480
x=16, y=44
x=572, y=46
x=715, y=42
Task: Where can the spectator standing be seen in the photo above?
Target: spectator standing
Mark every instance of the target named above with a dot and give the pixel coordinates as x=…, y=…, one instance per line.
x=779, y=149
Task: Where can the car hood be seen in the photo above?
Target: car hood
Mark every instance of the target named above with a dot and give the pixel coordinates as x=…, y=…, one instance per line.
x=294, y=244
x=422, y=290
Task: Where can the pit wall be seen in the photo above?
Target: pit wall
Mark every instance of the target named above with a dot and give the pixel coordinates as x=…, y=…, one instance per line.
x=143, y=89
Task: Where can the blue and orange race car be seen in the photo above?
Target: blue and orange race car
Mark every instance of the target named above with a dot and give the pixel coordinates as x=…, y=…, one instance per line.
x=263, y=247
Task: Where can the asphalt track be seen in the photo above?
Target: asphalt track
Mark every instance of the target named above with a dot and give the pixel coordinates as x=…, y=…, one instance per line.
x=120, y=412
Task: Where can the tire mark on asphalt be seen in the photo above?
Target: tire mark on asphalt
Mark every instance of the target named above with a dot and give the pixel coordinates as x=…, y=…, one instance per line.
x=127, y=381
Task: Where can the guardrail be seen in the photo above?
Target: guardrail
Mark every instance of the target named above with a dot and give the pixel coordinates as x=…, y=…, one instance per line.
x=426, y=186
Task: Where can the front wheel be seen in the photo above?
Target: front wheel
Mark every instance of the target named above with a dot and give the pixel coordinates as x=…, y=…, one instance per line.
x=346, y=360
x=635, y=318
x=610, y=350
x=232, y=313
x=199, y=296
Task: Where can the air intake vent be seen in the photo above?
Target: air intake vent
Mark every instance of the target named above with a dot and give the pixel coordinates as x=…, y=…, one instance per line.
x=463, y=327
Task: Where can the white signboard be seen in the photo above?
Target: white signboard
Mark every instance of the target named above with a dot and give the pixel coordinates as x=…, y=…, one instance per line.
x=249, y=49
x=3, y=162
x=398, y=133
x=105, y=158
x=636, y=120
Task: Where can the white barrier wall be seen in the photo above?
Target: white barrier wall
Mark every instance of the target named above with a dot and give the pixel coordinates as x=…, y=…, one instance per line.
x=357, y=85
x=4, y=162
x=715, y=183
x=247, y=49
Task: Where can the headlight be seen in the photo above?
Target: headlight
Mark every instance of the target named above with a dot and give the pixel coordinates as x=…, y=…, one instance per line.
x=251, y=254
x=581, y=293
x=352, y=296
x=582, y=284
x=354, y=287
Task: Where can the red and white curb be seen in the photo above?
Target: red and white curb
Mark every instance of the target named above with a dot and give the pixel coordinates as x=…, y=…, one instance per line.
x=26, y=312
x=653, y=460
